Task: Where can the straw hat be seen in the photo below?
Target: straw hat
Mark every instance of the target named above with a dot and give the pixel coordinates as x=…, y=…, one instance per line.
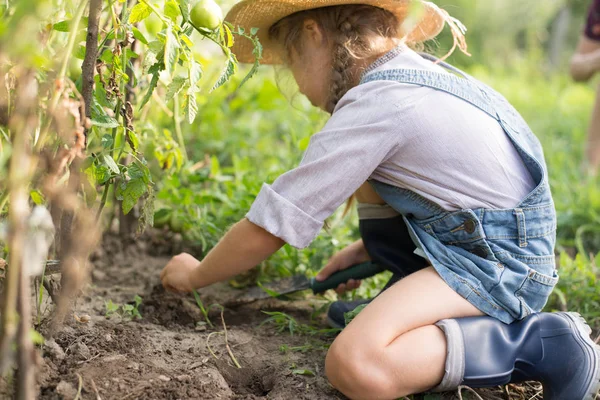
x=262, y=14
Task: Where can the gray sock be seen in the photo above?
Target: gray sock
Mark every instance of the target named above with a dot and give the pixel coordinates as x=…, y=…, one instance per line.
x=455, y=358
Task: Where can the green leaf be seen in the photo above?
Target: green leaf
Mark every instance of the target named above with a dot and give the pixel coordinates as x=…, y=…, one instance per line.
x=139, y=35
x=130, y=192
x=175, y=87
x=139, y=12
x=100, y=117
x=305, y=372
x=194, y=73
x=102, y=174
x=36, y=337
x=185, y=9
x=171, y=10
x=191, y=107
x=62, y=26
x=153, y=85
x=133, y=140
x=137, y=170
x=253, y=31
x=107, y=141
x=171, y=50
x=229, y=35
x=186, y=39
x=257, y=52
x=37, y=197
x=215, y=166
x=80, y=52
x=111, y=164
x=229, y=71
x=350, y=315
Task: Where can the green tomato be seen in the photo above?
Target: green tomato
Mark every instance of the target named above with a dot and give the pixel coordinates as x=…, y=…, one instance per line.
x=207, y=14
x=153, y=24
x=75, y=68
x=176, y=223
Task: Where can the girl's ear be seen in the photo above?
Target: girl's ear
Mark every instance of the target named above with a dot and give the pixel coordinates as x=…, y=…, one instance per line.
x=313, y=32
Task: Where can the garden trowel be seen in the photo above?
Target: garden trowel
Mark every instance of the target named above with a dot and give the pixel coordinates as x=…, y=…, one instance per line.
x=300, y=282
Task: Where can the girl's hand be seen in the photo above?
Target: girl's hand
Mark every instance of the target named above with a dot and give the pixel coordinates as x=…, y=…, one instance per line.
x=351, y=255
x=178, y=275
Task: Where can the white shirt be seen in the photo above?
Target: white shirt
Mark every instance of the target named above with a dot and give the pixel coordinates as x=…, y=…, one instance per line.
x=405, y=135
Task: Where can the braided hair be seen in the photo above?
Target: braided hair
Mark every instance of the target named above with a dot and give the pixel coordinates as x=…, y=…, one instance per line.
x=352, y=31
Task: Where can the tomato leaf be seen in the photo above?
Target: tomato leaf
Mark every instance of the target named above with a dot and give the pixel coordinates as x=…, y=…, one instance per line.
x=194, y=73
x=171, y=50
x=191, y=107
x=130, y=192
x=139, y=35
x=175, y=87
x=111, y=164
x=171, y=10
x=62, y=26
x=139, y=12
x=229, y=35
x=230, y=69
x=185, y=9
x=153, y=85
x=100, y=117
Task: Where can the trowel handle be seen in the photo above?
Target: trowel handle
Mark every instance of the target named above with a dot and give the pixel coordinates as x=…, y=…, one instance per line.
x=356, y=272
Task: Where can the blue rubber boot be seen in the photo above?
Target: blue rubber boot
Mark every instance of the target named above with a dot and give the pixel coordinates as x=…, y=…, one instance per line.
x=552, y=348
x=337, y=310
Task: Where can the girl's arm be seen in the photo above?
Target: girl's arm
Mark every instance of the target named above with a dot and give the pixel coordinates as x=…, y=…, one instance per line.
x=243, y=247
x=586, y=60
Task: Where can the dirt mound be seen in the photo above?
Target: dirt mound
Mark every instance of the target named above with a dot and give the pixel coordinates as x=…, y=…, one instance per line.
x=165, y=354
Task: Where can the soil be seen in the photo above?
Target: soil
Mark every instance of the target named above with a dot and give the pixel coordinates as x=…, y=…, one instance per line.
x=167, y=355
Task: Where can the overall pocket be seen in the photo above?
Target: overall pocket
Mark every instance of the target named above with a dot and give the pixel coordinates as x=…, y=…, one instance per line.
x=534, y=291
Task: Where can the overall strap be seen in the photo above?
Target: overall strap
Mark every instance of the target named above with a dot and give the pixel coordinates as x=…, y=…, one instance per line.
x=464, y=88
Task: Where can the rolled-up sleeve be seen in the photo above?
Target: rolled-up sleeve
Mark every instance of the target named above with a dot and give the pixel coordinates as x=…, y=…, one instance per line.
x=359, y=136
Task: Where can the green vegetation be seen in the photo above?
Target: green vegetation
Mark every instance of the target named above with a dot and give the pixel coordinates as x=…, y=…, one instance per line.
x=180, y=138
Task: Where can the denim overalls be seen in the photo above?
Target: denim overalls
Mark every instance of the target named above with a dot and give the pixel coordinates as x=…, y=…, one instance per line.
x=500, y=260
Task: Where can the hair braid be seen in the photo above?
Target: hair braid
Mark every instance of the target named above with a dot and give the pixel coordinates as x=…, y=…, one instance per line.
x=341, y=64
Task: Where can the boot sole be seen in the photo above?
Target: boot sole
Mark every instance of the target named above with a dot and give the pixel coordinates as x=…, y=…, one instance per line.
x=584, y=332
x=334, y=324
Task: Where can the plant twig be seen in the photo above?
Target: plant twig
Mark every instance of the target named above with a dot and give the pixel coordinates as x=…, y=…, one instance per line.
x=235, y=361
x=208, y=345
x=95, y=390
x=91, y=54
x=17, y=299
x=80, y=386
x=224, y=332
x=461, y=388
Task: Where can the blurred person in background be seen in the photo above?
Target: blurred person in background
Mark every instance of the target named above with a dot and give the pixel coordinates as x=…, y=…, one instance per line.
x=584, y=65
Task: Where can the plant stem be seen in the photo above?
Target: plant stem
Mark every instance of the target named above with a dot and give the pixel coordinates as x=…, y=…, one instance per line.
x=235, y=361
x=177, y=121
x=89, y=61
x=23, y=123
x=201, y=307
x=102, y=201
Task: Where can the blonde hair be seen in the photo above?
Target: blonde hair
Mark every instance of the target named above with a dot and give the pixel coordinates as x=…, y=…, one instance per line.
x=352, y=30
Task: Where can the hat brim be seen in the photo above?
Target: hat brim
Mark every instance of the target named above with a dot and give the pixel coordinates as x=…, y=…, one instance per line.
x=262, y=14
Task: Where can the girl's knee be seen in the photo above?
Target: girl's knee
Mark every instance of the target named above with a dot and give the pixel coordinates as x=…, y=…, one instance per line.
x=358, y=372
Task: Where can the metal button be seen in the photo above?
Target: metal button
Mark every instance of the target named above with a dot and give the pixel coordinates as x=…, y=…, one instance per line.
x=500, y=265
x=470, y=226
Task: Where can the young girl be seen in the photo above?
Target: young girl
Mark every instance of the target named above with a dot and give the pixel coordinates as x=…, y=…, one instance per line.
x=453, y=194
